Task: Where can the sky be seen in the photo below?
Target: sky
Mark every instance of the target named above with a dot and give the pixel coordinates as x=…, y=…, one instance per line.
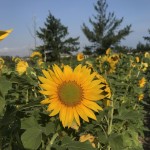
x=20, y=15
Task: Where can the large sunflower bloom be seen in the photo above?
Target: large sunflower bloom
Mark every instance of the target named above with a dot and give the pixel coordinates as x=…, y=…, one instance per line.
x=71, y=93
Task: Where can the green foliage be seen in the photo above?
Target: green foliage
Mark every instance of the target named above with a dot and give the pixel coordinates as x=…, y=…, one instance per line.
x=25, y=123
x=105, y=31
x=54, y=35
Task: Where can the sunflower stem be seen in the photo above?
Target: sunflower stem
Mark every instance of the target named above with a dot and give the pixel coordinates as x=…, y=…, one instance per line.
x=52, y=141
x=110, y=123
x=27, y=99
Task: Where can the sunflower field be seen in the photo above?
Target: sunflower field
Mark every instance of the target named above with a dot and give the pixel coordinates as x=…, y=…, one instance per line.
x=81, y=103
x=95, y=103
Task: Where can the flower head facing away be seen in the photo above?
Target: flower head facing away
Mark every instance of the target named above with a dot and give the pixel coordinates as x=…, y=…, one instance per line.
x=1, y=62
x=71, y=93
x=21, y=67
x=36, y=55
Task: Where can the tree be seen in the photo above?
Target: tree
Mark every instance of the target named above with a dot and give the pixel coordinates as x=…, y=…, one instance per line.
x=147, y=38
x=105, y=31
x=144, y=47
x=54, y=35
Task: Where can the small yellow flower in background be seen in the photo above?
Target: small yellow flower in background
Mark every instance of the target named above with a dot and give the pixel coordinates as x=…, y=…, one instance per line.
x=4, y=33
x=88, y=137
x=36, y=55
x=144, y=66
x=80, y=56
x=71, y=93
x=1, y=62
x=147, y=55
x=108, y=51
x=21, y=67
x=142, y=82
x=140, y=97
x=137, y=59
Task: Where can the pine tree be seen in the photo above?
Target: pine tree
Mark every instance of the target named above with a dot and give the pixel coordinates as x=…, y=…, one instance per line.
x=55, y=38
x=144, y=47
x=105, y=31
x=147, y=38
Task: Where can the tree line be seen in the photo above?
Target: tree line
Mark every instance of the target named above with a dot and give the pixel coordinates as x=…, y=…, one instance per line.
x=105, y=33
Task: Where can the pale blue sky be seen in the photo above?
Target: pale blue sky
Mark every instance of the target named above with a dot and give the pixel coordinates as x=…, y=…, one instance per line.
x=19, y=14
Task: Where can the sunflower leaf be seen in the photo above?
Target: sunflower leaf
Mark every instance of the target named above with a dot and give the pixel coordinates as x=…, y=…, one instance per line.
x=75, y=145
x=2, y=105
x=31, y=138
x=5, y=85
x=30, y=122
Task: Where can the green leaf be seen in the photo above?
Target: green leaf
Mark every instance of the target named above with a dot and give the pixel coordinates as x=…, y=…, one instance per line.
x=31, y=138
x=30, y=122
x=75, y=145
x=116, y=142
x=49, y=128
x=2, y=105
x=5, y=85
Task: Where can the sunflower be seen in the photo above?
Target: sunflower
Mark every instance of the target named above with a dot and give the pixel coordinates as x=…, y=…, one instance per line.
x=140, y=97
x=1, y=62
x=4, y=34
x=147, y=55
x=16, y=59
x=88, y=137
x=21, y=67
x=80, y=56
x=144, y=66
x=106, y=88
x=142, y=82
x=36, y=55
x=107, y=64
x=71, y=93
x=137, y=59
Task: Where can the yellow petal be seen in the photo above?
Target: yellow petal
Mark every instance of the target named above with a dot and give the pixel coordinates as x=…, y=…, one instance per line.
x=58, y=72
x=62, y=114
x=4, y=34
x=81, y=113
x=46, y=101
x=88, y=112
x=48, y=87
x=56, y=111
x=76, y=116
x=92, y=105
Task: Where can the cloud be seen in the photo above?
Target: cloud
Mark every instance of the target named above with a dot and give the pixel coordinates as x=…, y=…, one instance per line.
x=23, y=51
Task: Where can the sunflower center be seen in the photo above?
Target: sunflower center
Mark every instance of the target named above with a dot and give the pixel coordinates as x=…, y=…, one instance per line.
x=70, y=93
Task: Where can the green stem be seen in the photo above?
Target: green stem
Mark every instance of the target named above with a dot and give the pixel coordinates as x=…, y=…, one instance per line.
x=110, y=124
x=48, y=147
